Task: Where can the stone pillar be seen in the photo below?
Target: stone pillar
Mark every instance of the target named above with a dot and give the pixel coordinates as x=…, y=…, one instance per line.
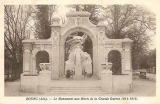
x=50, y=61
x=55, y=35
x=62, y=60
x=128, y=60
x=27, y=58
x=107, y=50
x=55, y=57
x=34, y=65
x=123, y=62
x=31, y=65
x=101, y=45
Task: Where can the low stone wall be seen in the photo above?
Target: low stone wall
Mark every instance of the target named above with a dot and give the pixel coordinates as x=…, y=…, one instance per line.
x=114, y=84
x=35, y=83
x=122, y=83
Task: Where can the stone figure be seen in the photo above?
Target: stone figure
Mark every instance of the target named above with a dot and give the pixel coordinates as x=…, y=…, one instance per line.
x=78, y=61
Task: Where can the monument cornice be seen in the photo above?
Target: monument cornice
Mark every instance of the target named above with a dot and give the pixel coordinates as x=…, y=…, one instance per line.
x=80, y=13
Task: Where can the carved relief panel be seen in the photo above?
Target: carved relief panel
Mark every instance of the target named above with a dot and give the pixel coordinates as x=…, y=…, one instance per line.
x=55, y=40
x=78, y=21
x=101, y=39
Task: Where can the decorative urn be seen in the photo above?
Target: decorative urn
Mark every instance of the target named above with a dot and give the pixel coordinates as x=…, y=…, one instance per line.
x=45, y=66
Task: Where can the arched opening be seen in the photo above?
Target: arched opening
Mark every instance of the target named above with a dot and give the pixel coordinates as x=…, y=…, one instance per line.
x=114, y=57
x=41, y=57
x=81, y=39
x=94, y=48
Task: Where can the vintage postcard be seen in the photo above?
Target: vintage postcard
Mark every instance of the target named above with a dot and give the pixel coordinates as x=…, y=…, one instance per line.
x=80, y=52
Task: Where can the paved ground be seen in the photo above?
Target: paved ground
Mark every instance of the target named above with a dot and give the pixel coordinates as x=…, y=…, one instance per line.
x=141, y=87
x=151, y=76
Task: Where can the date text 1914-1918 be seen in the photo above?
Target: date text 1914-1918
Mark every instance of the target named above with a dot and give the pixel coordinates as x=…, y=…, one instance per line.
x=129, y=98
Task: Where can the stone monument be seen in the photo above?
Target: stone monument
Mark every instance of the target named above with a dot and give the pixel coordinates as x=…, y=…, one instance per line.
x=79, y=61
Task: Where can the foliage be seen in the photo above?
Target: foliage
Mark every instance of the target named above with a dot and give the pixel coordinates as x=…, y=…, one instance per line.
x=43, y=20
x=15, y=30
x=148, y=60
x=93, y=9
x=130, y=21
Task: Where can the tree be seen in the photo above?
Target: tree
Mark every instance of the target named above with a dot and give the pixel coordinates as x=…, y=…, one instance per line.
x=93, y=9
x=43, y=20
x=130, y=21
x=148, y=61
x=16, y=19
x=152, y=58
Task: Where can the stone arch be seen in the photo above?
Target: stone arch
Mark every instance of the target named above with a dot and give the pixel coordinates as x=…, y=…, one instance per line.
x=75, y=29
x=41, y=57
x=62, y=46
x=114, y=56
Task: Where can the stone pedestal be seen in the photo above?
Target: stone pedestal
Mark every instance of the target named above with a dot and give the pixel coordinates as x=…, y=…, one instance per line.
x=44, y=81
x=106, y=81
x=36, y=83
x=29, y=83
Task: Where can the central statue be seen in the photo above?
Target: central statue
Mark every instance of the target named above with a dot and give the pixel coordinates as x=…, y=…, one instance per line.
x=79, y=62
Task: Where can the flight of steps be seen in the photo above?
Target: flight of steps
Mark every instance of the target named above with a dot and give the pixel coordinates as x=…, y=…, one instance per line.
x=76, y=91
x=69, y=88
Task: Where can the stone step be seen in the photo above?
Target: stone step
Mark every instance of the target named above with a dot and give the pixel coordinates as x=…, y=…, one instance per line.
x=73, y=83
x=76, y=88
x=69, y=89
x=76, y=94
x=76, y=91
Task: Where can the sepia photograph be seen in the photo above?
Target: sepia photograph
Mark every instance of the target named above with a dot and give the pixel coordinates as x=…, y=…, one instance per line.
x=90, y=51
x=79, y=50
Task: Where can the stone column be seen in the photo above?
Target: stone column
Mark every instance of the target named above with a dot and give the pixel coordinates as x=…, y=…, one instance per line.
x=123, y=62
x=55, y=35
x=34, y=65
x=50, y=61
x=128, y=61
x=27, y=58
x=55, y=57
x=95, y=59
x=62, y=60
x=101, y=45
x=107, y=50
